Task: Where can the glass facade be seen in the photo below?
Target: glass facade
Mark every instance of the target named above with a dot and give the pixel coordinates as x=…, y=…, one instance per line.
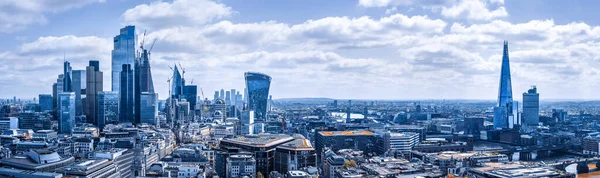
x=190, y=93
x=123, y=53
x=67, y=77
x=108, y=108
x=66, y=112
x=505, y=99
x=126, y=102
x=78, y=86
x=531, y=107
x=45, y=101
x=258, y=93
x=149, y=108
x=176, y=84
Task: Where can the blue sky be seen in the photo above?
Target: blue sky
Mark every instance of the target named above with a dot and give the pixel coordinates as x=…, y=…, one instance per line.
x=360, y=49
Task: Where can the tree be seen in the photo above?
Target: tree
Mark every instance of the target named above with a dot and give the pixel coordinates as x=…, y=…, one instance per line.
x=350, y=163
x=259, y=175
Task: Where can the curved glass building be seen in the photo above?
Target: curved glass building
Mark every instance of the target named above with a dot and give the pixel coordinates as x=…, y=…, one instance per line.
x=258, y=85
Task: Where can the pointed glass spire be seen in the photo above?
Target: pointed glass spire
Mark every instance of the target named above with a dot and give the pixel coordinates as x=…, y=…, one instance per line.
x=505, y=90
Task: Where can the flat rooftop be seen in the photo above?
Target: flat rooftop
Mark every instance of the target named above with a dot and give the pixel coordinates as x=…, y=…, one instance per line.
x=261, y=140
x=517, y=170
x=297, y=144
x=345, y=133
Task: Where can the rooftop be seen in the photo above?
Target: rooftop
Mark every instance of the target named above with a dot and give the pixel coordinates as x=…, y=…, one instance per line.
x=345, y=133
x=517, y=170
x=297, y=144
x=261, y=140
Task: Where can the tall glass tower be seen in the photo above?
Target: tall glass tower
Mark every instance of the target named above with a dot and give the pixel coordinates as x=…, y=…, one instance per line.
x=126, y=102
x=258, y=85
x=504, y=112
x=177, y=84
x=67, y=77
x=66, y=112
x=123, y=53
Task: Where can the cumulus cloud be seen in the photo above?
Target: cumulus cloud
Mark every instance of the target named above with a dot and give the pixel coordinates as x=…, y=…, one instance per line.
x=454, y=9
x=177, y=13
x=16, y=15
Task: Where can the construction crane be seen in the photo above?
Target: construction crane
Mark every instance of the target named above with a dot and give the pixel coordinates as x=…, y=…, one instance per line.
x=142, y=43
x=202, y=92
x=182, y=70
x=151, y=46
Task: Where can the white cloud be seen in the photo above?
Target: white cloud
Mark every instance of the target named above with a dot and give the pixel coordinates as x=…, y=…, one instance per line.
x=473, y=10
x=177, y=13
x=16, y=15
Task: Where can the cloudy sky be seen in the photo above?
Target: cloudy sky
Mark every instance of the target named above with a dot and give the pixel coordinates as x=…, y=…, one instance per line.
x=359, y=49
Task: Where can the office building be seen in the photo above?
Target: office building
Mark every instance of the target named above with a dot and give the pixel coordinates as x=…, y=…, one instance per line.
x=66, y=112
x=123, y=52
x=247, y=122
x=336, y=140
x=190, y=94
x=57, y=88
x=474, y=126
x=504, y=111
x=177, y=83
x=38, y=160
x=7, y=123
x=67, y=73
x=258, y=92
x=262, y=146
x=331, y=164
x=241, y=166
x=531, y=107
x=228, y=97
x=94, y=85
x=233, y=100
x=294, y=155
x=126, y=102
x=35, y=121
x=108, y=108
x=395, y=141
x=78, y=86
x=559, y=115
x=149, y=108
x=216, y=96
x=45, y=102
x=511, y=170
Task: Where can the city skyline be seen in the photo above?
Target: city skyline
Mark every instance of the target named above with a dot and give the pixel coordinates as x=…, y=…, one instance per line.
x=382, y=50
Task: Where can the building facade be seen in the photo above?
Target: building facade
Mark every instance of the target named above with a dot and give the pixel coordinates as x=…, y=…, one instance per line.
x=258, y=85
x=123, y=52
x=66, y=112
x=531, y=107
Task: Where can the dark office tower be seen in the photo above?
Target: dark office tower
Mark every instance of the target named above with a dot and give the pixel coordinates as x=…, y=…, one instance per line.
x=258, y=85
x=228, y=97
x=531, y=107
x=146, y=83
x=146, y=101
x=126, y=102
x=94, y=85
x=108, y=108
x=176, y=84
x=216, y=95
x=190, y=93
x=78, y=87
x=67, y=77
x=123, y=53
x=45, y=102
x=137, y=93
x=233, y=97
x=54, y=97
x=474, y=126
x=504, y=111
x=222, y=94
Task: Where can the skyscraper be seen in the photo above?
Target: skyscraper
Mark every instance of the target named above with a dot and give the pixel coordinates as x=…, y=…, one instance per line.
x=222, y=94
x=216, y=95
x=149, y=108
x=66, y=112
x=123, y=53
x=190, y=93
x=78, y=86
x=176, y=84
x=228, y=97
x=531, y=107
x=94, y=85
x=108, y=108
x=233, y=97
x=504, y=112
x=59, y=87
x=126, y=103
x=258, y=85
x=45, y=102
x=146, y=101
x=67, y=77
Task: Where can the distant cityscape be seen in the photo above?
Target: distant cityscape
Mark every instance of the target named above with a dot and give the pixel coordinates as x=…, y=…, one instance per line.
x=81, y=130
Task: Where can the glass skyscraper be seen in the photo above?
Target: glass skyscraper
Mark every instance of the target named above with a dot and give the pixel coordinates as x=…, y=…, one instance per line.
x=46, y=102
x=258, y=85
x=78, y=87
x=126, y=103
x=504, y=111
x=123, y=53
x=94, y=85
x=531, y=107
x=108, y=108
x=176, y=84
x=149, y=108
x=190, y=93
x=66, y=112
x=67, y=77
